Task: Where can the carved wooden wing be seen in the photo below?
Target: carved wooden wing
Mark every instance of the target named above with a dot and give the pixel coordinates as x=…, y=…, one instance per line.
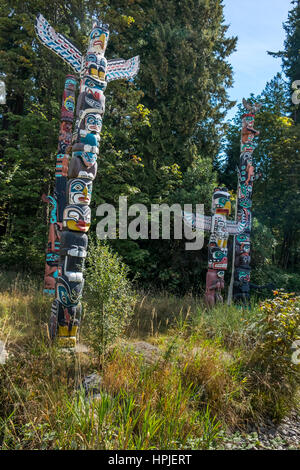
x=197, y=221
x=234, y=228
x=237, y=228
x=58, y=43
x=203, y=222
x=121, y=68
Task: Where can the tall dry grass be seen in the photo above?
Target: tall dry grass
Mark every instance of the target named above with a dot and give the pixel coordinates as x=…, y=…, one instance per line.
x=201, y=382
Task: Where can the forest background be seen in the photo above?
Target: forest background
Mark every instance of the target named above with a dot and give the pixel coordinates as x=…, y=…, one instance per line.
x=164, y=138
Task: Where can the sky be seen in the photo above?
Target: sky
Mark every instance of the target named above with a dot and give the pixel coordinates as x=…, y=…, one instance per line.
x=258, y=25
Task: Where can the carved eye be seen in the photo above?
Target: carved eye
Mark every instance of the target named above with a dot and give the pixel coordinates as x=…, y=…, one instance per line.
x=77, y=187
x=73, y=215
x=90, y=84
x=95, y=33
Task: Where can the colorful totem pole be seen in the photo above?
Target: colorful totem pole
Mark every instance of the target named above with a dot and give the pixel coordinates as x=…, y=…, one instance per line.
x=58, y=201
x=246, y=175
x=217, y=247
x=95, y=71
x=220, y=228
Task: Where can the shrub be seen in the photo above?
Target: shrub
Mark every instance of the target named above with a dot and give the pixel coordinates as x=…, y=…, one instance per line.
x=273, y=374
x=109, y=297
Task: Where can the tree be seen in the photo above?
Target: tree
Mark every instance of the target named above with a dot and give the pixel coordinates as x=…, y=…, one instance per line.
x=276, y=197
x=156, y=130
x=290, y=55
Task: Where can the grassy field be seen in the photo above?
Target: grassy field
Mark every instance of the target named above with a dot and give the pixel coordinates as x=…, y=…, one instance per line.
x=207, y=373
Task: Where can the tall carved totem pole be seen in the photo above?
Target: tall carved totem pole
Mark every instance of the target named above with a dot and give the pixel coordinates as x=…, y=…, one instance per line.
x=217, y=247
x=221, y=228
x=246, y=175
x=58, y=200
x=95, y=71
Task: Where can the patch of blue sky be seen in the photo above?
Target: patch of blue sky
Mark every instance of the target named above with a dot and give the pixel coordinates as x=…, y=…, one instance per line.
x=259, y=27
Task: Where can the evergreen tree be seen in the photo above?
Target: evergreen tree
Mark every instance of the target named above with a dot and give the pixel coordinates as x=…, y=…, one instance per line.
x=290, y=55
x=160, y=133
x=275, y=197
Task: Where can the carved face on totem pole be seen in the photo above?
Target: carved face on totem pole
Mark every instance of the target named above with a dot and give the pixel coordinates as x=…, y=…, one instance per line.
x=221, y=202
x=65, y=137
x=217, y=258
x=248, y=146
x=244, y=242
x=242, y=251
x=69, y=103
x=241, y=286
x=68, y=293
x=248, y=123
x=92, y=98
x=245, y=193
x=244, y=260
x=65, y=130
x=243, y=276
x=92, y=122
x=70, y=83
x=77, y=218
x=89, y=84
x=98, y=38
x=52, y=259
x=96, y=66
x=83, y=165
x=80, y=191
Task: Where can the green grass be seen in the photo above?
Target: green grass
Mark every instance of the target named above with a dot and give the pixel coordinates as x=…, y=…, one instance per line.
x=207, y=378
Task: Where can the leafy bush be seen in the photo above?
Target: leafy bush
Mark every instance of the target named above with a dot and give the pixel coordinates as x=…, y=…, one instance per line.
x=278, y=326
x=280, y=278
x=273, y=373
x=109, y=297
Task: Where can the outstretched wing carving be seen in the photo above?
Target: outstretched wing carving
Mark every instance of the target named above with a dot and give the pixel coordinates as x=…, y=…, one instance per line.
x=234, y=228
x=197, y=221
x=58, y=43
x=203, y=222
x=121, y=68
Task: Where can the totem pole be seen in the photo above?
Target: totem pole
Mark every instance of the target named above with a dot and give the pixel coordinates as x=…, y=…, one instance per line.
x=95, y=71
x=217, y=247
x=246, y=176
x=58, y=201
x=220, y=228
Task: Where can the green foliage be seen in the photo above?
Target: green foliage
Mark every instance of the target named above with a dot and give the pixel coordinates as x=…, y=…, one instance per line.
x=278, y=326
x=290, y=54
x=211, y=371
x=270, y=367
x=276, y=200
x=279, y=278
x=109, y=298
x=160, y=132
